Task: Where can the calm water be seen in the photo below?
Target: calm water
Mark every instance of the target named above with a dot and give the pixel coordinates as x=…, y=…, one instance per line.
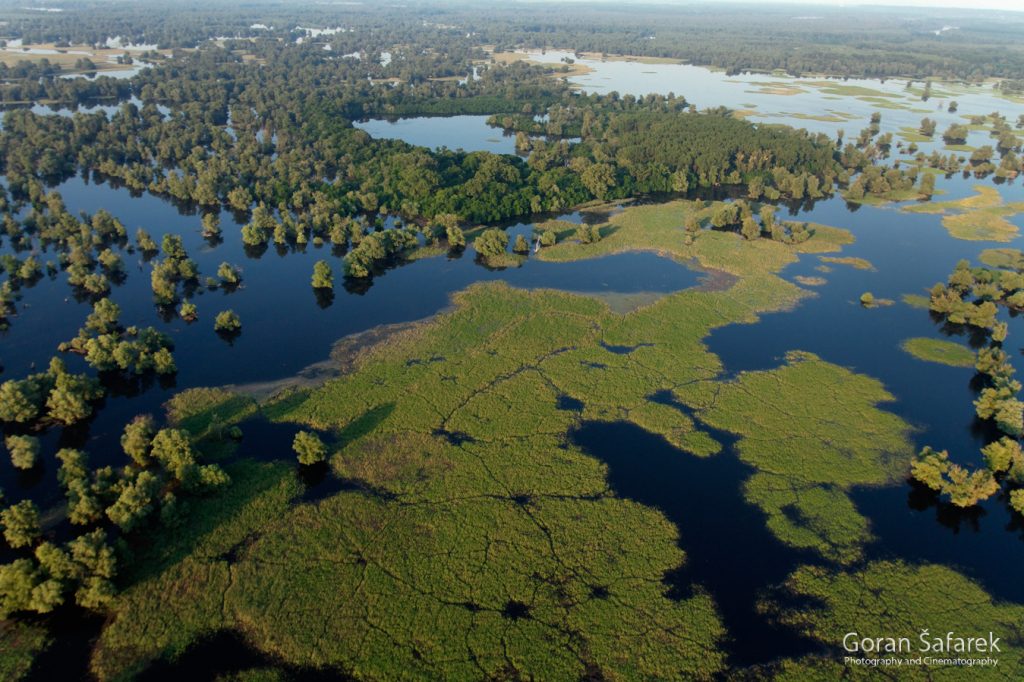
x=468, y=133
x=287, y=327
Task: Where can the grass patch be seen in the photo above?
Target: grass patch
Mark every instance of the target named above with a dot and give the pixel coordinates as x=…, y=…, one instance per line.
x=917, y=301
x=937, y=350
x=856, y=263
x=474, y=541
x=896, y=600
x=811, y=281
x=982, y=217
x=1004, y=259
x=808, y=458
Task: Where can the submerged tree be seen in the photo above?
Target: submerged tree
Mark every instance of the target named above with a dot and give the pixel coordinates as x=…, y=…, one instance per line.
x=323, y=277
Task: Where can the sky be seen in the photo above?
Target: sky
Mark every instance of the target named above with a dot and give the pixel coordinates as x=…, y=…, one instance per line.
x=1012, y=5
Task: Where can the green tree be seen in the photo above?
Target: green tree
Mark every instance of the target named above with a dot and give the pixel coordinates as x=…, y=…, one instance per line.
x=309, y=448
x=456, y=239
x=228, y=274
x=21, y=524
x=227, y=321
x=137, y=438
x=323, y=278
x=492, y=242
x=24, y=450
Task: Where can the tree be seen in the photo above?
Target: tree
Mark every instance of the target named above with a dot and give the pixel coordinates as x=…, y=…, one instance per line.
x=588, y=234
x=173, y=449
x=24, y=450
x=956, y=133
x=227, y=321
x=309, y=448
x=137, y=438
x=867, y=299
x=1002, y=454
x=521, y=245
x=927, y=127
x=228, y=274
x=456, y=239
x=20, y=400
x=491, y=243
x=211, y=226
x=188, y=311
x=750, y=229
x=927, y=186
x=323, y=278
x=725, y=215
x=135, y=501
x=69, y=401
x=21, y=524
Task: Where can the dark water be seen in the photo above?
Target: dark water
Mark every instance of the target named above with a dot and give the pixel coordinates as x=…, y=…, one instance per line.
x=723, y=535
x=286, y=326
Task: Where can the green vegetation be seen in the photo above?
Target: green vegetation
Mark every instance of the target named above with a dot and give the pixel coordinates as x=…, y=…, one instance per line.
x=309, y=448
x=856, y=263
x=323, y=277
x=899, y=600
x=227, y=321
x=428, y=443
x=916, y=301
x=940, y=351
x=998, y=399
x=806, y=466
x=982, y=217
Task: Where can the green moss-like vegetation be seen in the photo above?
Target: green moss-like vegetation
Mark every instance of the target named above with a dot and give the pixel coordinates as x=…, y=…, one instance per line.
x=856, y=263
x=809, y=459
x=917, y=301
x=894, y=599
x=937, y=350
x=982, y=217
x=658, y=228
x=176, y=592
x=478, y=542
x=811, y=281
x=1006, y=259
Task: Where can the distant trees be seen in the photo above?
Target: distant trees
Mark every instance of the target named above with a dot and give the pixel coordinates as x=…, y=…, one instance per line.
x=962, y=488
x=998, y=399
x=956, y=133
x=927, y=185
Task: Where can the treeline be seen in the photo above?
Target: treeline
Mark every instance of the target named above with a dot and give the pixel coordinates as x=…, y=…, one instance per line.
x=970, y=298
x=241, y=133
x=856, y=42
